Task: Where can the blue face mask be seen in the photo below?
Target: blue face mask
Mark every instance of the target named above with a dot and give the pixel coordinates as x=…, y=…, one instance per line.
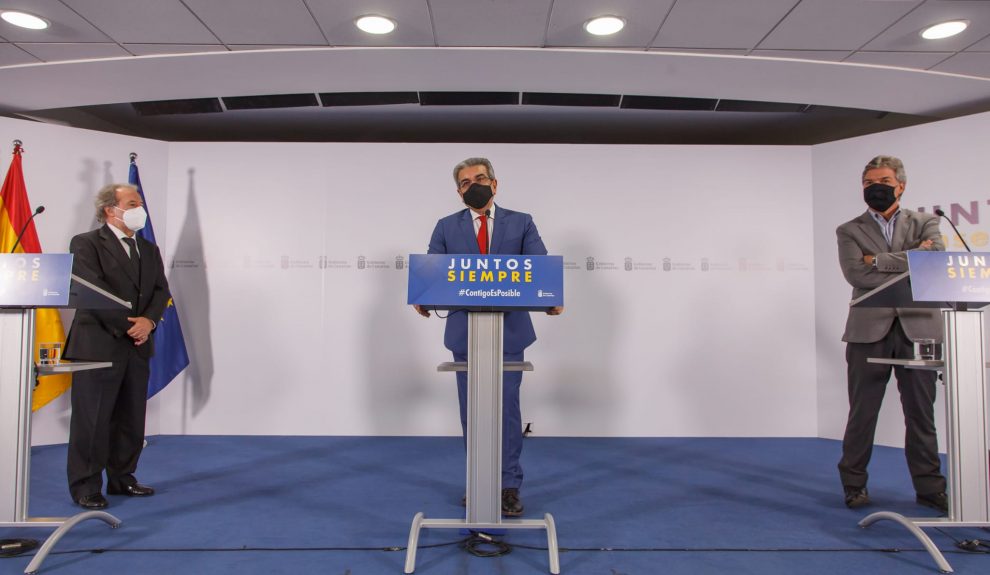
x=879, y=196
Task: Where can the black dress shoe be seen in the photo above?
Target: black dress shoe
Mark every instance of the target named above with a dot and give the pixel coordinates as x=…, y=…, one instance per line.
x=511, y=504
x=92, y=502
x=937, y=501
x=135, y=490
x=856, y=497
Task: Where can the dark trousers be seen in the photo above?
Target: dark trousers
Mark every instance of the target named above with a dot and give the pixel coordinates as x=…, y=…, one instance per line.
x=512, y=433
x=107, y=427
x=867, y=384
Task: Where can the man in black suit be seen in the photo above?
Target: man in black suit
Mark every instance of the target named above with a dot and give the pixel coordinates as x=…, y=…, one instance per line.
x=108, y=405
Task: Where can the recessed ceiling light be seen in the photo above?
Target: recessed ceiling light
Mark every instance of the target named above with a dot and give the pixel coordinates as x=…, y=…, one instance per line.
x=944, y=30
x=24, y=20
x=375, y=24
x=604, y=25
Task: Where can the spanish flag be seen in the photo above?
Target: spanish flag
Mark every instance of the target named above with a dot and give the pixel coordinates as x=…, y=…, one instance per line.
x=15, y=210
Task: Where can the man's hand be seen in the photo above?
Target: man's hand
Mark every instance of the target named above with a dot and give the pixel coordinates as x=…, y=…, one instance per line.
x=556, y=310
x=140, y=330
x=925, y=244
x=421, y=310
x=868, y=260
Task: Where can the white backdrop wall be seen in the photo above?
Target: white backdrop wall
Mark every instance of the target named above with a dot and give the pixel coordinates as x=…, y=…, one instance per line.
x=689, y=282
x=285, y=278
x=944, y=162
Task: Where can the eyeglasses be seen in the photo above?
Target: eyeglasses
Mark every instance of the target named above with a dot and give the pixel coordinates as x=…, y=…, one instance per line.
x=479, y=179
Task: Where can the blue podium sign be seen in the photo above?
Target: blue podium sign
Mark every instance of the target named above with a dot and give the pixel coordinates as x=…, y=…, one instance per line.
x=486, y=282
x=949, y=276
x=35, y=280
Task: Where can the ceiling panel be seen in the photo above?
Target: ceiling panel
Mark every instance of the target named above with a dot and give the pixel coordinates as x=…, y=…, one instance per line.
x=11, y=55
x=66, y=51
x=412, y=18
x=642, y=17
x=826, y=55
x=738, y=25
x=920, y=60
x=981, y=46
x=835, y=24
x=906, y=34
x=968, y=63
x=488, y=23
x=259, y=21
x=67, y=26
x=155, y=49
x=144, y=21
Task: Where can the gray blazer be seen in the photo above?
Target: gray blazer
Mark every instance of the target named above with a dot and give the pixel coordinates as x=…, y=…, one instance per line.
x=862, y=236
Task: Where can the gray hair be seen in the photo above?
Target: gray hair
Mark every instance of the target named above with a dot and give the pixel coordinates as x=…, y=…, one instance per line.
x=107, y=198
x=888, y=162
x=474, y=162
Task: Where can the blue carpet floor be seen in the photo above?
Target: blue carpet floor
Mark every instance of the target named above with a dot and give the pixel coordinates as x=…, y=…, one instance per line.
x=343, y=505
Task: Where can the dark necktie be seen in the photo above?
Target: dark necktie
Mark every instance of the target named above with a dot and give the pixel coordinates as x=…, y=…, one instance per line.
x=483, y=235
x=135, y=258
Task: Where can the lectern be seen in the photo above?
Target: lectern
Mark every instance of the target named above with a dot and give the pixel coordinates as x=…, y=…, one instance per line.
x=960, y=282
x=28, y=281
x=485, y=286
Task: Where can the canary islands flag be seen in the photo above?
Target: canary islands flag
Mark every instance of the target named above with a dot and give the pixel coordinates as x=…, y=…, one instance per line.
x=15, y=211
x=170, y=348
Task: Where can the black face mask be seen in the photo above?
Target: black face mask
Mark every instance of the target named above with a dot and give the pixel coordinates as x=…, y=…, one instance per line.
x=478, y=196
x=879, y=196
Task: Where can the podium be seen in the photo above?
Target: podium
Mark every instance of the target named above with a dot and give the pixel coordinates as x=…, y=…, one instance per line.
x=485, y=286
x=28, y=281
x=960, y=282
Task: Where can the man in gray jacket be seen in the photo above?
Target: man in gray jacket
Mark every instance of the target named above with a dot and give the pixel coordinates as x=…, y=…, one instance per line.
x=872, y=248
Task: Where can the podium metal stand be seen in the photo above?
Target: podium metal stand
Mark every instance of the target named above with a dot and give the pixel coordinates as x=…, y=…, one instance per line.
x=18, y=375
x=964, y=370
x=429, y=284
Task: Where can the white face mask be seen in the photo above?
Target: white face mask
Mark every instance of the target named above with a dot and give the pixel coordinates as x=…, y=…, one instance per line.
x=134, y=218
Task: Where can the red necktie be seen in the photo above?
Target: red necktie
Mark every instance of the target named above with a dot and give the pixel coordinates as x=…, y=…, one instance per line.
x=483, y=236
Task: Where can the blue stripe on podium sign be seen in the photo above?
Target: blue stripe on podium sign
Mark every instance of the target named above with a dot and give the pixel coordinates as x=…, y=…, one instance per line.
x=486, y=281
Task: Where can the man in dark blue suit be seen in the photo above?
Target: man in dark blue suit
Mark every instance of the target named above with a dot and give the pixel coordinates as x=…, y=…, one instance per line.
x=487, y=228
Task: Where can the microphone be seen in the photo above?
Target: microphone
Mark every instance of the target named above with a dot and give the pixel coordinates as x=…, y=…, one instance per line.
x=37, y=211
x=941, y=214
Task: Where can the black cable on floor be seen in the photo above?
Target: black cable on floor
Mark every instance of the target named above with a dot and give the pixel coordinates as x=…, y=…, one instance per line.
x=15, y=547
x=484, y=545
x=968, y=545
x=464, y=543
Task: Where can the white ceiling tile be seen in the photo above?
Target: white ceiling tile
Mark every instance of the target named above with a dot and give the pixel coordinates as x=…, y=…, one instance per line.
x=66, y=25
x=488, y=23
x=835, y=24
x=259, y=21
x=412, y=18
x=144, y=21
x=826, y=55
x=920, y=60
x=642, y=17
x=720, y=23
x=156, y=49
x=967, y=63
x=906, y=34
x=58, y=52
x=11, y=55
x=981, y=46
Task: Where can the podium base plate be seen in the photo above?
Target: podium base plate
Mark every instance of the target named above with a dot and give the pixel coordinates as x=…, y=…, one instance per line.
x=420, y=522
